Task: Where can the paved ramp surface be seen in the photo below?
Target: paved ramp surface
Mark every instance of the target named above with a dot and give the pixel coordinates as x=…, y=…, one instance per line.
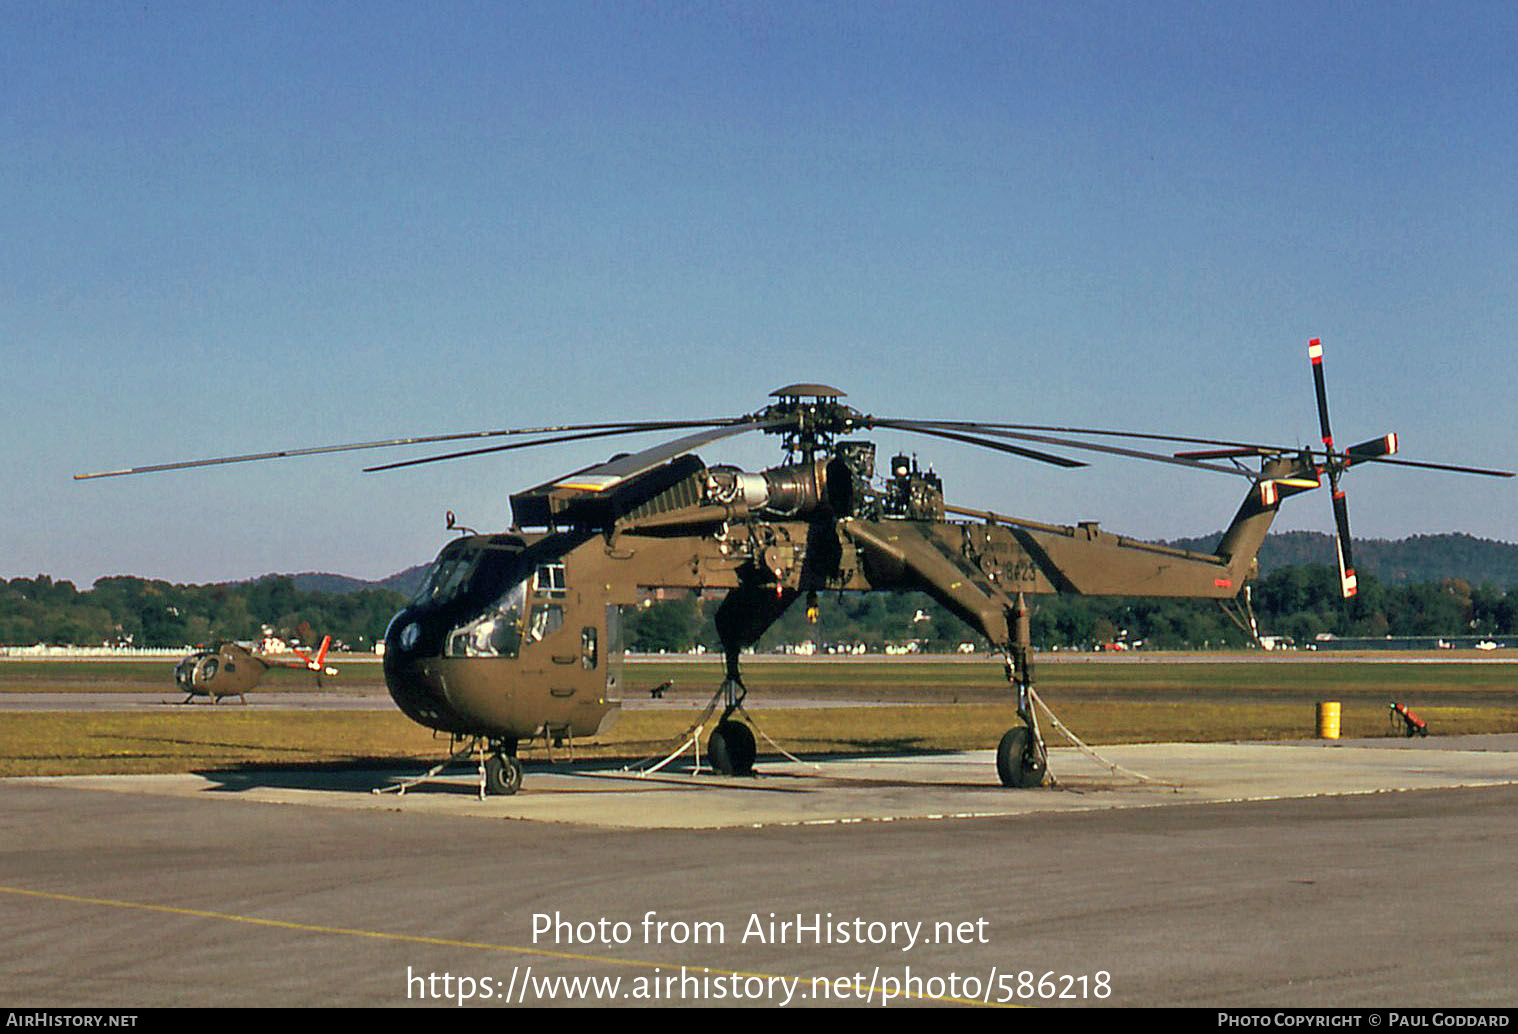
x=875, y=789
x=1248, y=875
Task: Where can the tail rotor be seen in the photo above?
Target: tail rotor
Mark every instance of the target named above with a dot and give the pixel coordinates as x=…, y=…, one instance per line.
x=318, y=663
x=1335, y=463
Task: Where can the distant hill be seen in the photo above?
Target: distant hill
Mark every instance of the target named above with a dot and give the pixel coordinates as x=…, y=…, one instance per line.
x=1421, y=558
x=313, y=581
x=406, y=582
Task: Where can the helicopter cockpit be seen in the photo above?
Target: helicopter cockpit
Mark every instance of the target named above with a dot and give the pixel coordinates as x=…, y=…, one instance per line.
x=204, y=664
x=485, y=596
x=497, y=632
x=493, y=644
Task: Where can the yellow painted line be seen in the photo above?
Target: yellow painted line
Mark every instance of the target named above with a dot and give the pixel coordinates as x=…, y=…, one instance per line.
x=445, y=942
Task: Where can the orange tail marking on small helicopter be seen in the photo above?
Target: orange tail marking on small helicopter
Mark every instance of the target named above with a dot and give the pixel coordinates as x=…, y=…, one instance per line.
x=321, y=654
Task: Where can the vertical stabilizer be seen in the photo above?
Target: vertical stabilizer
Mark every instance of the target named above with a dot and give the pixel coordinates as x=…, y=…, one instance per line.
x=1280, y=476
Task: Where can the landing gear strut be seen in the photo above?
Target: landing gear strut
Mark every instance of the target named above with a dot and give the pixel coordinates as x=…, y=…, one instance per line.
x=741, y=619
x=731, y=746
x=1021, y=759
x=500, y=773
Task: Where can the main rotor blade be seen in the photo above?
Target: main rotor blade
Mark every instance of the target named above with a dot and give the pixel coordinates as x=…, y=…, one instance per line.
x=1253, y=447
x=613, y=472
x=623, y=427
x=1220, y=454
x=942, y=432
x=1228, y=447
x=1399, y=462
x=557, y=439
x=1070, y=443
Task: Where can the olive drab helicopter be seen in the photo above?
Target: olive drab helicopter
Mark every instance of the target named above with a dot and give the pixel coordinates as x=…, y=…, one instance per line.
x=516, y=634
x=231, y=670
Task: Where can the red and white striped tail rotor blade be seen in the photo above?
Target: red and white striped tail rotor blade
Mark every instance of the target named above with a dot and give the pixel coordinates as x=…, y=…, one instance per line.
x=1315, y=353
x=1348, y=584
x=1347, y=581
x=1386, y=445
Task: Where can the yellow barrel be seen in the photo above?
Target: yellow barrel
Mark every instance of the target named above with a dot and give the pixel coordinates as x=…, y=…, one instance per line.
x=1328, y=720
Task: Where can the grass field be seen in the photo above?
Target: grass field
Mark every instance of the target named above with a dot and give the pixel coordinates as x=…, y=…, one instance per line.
x=922, y=706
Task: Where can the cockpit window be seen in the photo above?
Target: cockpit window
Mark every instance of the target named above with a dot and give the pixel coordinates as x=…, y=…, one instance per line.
x=448, y=577
x=499, y=594
x=479, y=574
x=497, y=632
x=546, y=620
x=549, y=579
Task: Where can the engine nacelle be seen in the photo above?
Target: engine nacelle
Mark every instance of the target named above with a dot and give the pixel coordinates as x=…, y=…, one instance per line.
x=829, y=485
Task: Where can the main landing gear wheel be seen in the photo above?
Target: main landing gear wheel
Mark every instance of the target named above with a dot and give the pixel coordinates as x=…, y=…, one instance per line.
x=503, y=775
x=1013, y=764
x=731, y=748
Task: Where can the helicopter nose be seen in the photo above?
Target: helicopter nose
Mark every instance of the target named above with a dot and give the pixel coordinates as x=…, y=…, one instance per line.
x=419, y=692
x=414, y=684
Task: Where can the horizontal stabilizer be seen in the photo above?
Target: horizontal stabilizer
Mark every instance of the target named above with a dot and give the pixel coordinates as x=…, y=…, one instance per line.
x=1273, y=490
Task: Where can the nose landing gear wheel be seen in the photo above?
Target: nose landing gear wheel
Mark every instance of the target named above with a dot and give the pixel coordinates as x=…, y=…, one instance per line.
x=732, y=748
x=503, y=775
x=1013, y=764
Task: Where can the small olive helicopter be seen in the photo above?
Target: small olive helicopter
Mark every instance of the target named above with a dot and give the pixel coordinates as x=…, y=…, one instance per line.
x=517, y=634
x=231, y=670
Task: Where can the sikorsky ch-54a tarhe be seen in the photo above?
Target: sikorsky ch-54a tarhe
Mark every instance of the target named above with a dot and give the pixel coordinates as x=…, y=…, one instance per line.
x=517, y=634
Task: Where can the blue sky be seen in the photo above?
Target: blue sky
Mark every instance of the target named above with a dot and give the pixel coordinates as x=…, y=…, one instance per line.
x=236, y=227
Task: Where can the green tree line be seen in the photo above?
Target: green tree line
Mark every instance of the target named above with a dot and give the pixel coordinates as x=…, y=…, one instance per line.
x=1298, y=601
x=1301, y=602
x=143, y=613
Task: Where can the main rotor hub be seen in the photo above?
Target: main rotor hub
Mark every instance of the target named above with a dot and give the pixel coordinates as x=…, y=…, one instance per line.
x=811, y=418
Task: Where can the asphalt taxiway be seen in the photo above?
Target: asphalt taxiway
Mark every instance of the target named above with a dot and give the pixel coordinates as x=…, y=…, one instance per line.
x=1373, y=873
